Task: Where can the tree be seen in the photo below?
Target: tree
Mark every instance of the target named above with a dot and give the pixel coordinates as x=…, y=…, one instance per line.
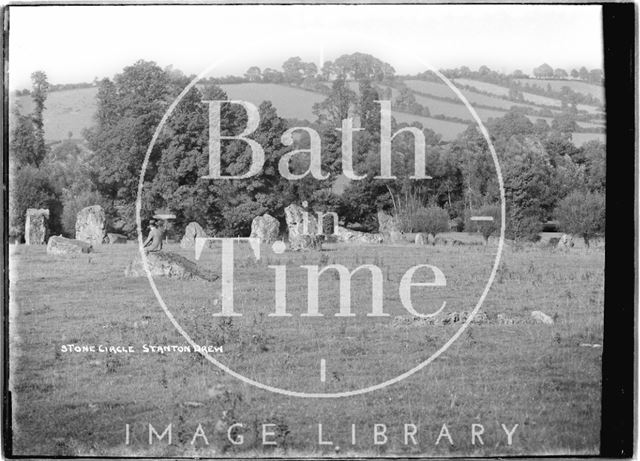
x=517, y=74
x=528, y=185
x=293, y=68
x=405, y=101
x=29, y=187
x=309, y=70
x=327, y=71
x=359, y=66
x=128, y=112
x=39, y=93
x=560, y=73
x=584, y=74
x=543, y=71
x=272, y=76
x=595, y=156
x=575, y=73
x=486, y=228
x=582, y=214
x=431, y=220
x=596, y=76
x=338, y=105
x=564, y=122
x=22, y=141
x=253, y=74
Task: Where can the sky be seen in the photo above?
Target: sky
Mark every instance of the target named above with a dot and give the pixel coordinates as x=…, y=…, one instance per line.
x=75, y=44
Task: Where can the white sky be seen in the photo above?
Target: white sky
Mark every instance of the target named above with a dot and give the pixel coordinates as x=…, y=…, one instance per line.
x=77, y=43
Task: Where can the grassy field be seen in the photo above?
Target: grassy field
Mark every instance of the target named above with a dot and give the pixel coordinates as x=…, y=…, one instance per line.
x=290, y=102
x=65, y=111
x=536, y=376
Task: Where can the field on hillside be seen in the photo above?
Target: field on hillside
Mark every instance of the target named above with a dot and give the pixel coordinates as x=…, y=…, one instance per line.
x=580, y=138
x=530, y=97
x=472, y=97
x=65, y=111
x=290, y=102
x=448, y=130
x=537, y=376
x=597, y=91
x=71, y=111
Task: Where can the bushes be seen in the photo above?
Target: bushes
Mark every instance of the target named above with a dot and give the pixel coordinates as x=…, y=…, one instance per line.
x=582, y=214
x=486, y=228
x=431, y=220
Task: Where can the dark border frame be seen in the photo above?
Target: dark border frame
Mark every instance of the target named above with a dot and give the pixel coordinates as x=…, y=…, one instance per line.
x=619, y=367
x=618, y=359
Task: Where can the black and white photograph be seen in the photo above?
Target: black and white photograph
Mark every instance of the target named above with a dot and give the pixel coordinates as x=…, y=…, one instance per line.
x=318, y=231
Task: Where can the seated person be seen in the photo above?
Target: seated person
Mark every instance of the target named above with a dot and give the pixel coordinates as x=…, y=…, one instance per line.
x=154, y=240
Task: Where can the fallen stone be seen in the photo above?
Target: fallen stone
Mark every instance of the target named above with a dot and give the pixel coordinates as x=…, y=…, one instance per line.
x=170, y=265
x=266, y=228
x=193, y=404
x=59, y=245
x=90, y=225
x=112, y=238
x=449, y=318
x=541, y=317
x=36, y=226
x=351, y=236
x=191, y=232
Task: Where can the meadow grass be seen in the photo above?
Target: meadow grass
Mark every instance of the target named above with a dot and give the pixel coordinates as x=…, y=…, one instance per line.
x=536, y=376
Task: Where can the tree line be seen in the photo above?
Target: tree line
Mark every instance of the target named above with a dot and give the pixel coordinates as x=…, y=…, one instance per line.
x=545, y=174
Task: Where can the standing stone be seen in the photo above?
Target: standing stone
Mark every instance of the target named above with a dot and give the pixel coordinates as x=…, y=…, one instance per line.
x=191, y=232
x=386, y=223
x=36, y=227
x=266, y=228
x=59, y=245
x=394, y=237
x=566, y=241
x=90, y=225
x=295, y=217
x=420, y=239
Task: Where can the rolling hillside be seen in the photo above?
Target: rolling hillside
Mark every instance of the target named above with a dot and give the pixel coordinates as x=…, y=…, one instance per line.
x=597, y=91
x=69, y=112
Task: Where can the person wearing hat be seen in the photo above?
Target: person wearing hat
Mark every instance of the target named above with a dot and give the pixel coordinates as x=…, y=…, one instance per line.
x=154, y=239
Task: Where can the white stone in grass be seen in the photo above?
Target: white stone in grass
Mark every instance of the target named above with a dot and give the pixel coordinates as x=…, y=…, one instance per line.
x=541, y=317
